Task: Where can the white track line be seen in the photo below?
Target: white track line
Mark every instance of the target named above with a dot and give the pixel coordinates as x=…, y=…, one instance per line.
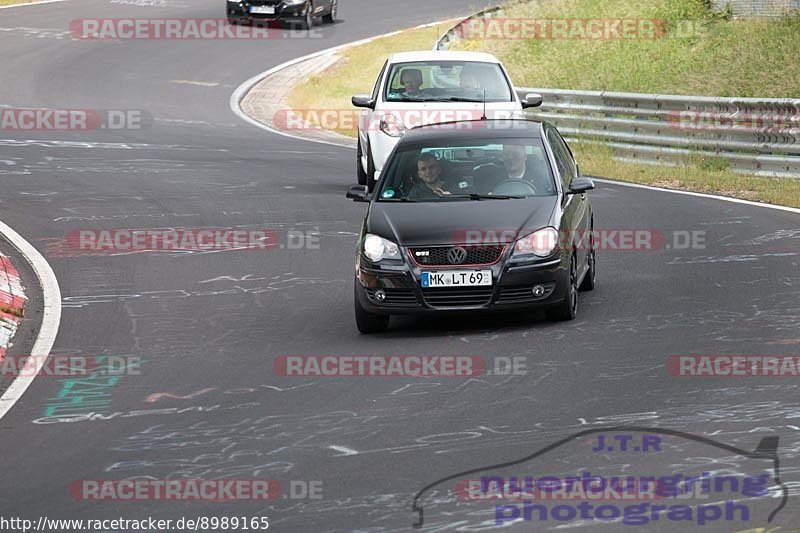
x=51, y=318
x=241, y=91
x=32, y=4
x=700, y=194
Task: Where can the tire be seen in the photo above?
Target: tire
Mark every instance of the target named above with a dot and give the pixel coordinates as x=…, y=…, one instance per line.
x=362, y=176
x=367, y=322
x=370, y=170
x=567, y=309
x=589, y=279
x=308, y=22
x=330, y=18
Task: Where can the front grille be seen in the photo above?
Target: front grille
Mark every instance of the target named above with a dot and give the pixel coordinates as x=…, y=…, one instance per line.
x=458, y=297
x=475, y=255
x=398, y=297
x=523, y=293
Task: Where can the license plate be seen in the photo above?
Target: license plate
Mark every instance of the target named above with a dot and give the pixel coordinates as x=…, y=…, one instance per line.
x=457, y=278
x=263, y=10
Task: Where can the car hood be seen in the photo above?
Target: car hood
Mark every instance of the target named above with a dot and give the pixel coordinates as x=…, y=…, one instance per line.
x=447, y=222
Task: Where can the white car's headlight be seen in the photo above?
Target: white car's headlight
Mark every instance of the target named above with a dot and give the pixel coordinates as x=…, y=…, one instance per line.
x=541, y=243
x=392, y=126
x=377, y=248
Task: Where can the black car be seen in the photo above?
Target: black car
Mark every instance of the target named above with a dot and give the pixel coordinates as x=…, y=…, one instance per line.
x=475, y=215
x=297, y=12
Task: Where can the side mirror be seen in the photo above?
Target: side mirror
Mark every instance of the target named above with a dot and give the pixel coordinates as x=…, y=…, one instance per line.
x=532, y=100
x=358, y=193
x=580, y=185
x=363, y=100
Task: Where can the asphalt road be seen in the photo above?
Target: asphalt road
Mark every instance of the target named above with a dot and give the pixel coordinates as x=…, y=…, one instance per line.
x=208, y=326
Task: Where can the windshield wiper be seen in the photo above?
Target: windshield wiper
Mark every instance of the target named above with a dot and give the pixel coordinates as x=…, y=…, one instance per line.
x=455, y=99
x=485, y=196
x=405, y=99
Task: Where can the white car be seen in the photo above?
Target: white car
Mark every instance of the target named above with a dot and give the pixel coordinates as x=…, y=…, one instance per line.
x=428, y=87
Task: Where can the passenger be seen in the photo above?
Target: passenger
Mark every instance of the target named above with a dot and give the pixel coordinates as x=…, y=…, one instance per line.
x=469, y=79
x=430, y=182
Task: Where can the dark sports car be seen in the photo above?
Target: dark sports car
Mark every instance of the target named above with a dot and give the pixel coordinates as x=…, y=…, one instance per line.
x=300, y=13
x=475, y=215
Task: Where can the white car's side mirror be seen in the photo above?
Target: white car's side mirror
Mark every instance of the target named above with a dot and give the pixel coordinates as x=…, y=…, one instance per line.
x=363, y=100
x=532, y=100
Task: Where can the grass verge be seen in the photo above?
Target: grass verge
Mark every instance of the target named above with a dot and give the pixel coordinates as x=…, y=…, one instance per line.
x=704, y=176
x=10, y=2
x=697, y=51
x=526, y=61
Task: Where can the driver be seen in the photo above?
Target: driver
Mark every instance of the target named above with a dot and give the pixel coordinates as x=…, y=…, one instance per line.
x=516, y=162
x=429, y=180
x=411, y=80
x=517, y=165
x=534, y=170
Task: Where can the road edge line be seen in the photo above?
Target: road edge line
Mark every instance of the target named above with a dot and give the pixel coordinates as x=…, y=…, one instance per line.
x=51, y=318
x=27, y=4
x=698, y=194
x=241, y=91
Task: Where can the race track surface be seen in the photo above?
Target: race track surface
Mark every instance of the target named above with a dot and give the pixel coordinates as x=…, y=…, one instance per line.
x=208, y=326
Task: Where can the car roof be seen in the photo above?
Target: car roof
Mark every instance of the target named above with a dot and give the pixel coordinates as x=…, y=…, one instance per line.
x=441, y=55
x=475, y=129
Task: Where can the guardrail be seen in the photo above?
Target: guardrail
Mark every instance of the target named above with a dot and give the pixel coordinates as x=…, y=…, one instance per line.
x=758, y=136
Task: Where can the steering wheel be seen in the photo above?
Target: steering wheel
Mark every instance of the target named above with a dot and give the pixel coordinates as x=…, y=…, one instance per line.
x=513, y=187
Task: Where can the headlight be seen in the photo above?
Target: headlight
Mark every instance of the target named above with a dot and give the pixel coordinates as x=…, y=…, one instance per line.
x=392, y=126
x=377, y=248
x=293, y=2
x=541, y=243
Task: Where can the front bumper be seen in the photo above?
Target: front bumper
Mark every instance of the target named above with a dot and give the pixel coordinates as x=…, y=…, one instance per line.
x=512, y=287
x=381, y=145
x=240, y=11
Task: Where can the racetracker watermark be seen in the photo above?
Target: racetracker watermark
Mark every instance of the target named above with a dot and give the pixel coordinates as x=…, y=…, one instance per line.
x=732, y=366
x=352, y=119
x=451, y=366
x=216, y=490
x=69, y=365
x=588, y=487
x=598, y=239
x=189, y=239
x=562, y=28
x=43, y=119
x=744, y=120
x=180, y=29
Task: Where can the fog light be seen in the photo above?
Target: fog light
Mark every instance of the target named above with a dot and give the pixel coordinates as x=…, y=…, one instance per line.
x=381, y=296
x=538, y=291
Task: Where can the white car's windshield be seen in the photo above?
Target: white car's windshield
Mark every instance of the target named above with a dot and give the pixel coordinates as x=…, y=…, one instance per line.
x=435, y=81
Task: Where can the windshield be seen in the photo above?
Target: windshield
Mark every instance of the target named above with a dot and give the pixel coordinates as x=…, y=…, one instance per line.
x=474, y=170
x=433, y=81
